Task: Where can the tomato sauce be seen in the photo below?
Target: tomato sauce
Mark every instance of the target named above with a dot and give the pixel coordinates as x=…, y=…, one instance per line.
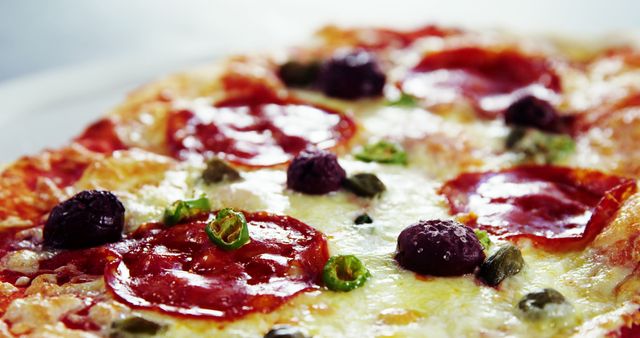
x=557, y=208
x=491, y=80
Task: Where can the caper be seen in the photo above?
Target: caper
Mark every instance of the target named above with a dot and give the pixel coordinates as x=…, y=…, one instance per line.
x=218, y=170
x=299, y=74
x=134, y=327
x=363, y=219
x=364, y=185
x=533, y=304
x=506, y=262
x=285, y=331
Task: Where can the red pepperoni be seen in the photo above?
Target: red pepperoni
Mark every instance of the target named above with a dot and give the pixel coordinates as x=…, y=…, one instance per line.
x=181, y=272
x=101, y=137
x=256, y=133
x=490, y=79
x=557, y=208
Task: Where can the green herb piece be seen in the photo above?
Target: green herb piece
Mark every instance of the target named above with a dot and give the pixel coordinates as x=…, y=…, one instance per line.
x=135, y=327
x=539, y=147
x=181, y=210
x=228, y=230
x=364, y=185
x=382, y=152
x=363, y=219
x=484, y=239
x=506, y=262
x=218, y=170
x=344, y=273
x=405, y=100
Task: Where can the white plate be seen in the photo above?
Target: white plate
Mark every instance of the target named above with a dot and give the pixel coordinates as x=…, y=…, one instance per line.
x=48, y=109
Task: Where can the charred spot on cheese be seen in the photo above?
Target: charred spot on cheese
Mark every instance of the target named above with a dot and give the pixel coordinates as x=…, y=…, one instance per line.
x=351, y=75
x=315, y=172
x=218, y=171
x=255, y=131
x=191, y=276
x=557, y=208
x=439, y=248
x=481, y=75
x=364, y=185
x=90, y=218
x=505, y=262
x=539, y=147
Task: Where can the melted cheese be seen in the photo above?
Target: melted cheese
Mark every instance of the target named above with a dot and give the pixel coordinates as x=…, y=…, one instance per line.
x=394, y=302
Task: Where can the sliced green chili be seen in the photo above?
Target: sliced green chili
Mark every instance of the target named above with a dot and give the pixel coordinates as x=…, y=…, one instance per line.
x=182, y=210
x=363, y=219
x=364, y=185
x=405, y=100
x=228, y=230
x=535, y=146
x=344, y=273
x=135, y=327
x=382, y=152
x=484, y=239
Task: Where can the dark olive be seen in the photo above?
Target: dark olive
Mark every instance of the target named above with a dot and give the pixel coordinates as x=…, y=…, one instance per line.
x=364, y=185
x=533, y=304
x=218, y=170
x=315, y=172
x=88, y=219
x=439, y=248
x=285, y=331
x=299, y=74
x=506, y=262
x=134, y=327
x=533, y=112
x=351, y=75
x=363, y=219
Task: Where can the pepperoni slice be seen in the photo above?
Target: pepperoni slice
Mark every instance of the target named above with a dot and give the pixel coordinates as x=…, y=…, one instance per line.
x=101, y=137
x=256, y=133
x=490, y=79
x=180, y=271
x=557, y=208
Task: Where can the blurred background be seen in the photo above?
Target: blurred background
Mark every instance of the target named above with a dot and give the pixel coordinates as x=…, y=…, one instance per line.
x=63, y=63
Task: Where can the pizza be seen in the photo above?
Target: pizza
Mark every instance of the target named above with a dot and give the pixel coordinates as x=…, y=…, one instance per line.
x=372, y=182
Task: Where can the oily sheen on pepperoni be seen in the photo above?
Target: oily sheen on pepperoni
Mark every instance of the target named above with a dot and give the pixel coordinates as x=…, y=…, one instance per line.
x=180, y=271
x=490, y=79
x=558, y=208
x=256, y=133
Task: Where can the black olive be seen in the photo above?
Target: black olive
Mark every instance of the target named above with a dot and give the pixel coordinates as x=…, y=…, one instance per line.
x=90, y=218
x=351, y=75
x=285, y=331
x=439, y=248
x=218, y=170
x=533, y=304
x=530, y=111
x=315, y=172
x=363, y=219
x=299, y=74
x=364, y=185
x=134, y=327
x=506, y=262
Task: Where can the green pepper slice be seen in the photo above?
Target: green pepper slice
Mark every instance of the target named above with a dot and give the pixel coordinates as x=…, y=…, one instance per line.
x=181, y=210
x=344, y=273
x=483, y=238
x=382, y=152
x=228, y=230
